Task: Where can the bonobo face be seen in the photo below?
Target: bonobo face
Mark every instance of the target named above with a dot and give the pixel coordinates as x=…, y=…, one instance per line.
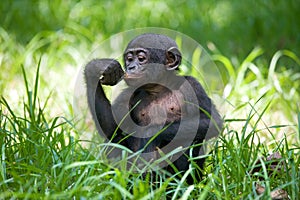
x=135, y=59
x=144, y=66
x=149, y=58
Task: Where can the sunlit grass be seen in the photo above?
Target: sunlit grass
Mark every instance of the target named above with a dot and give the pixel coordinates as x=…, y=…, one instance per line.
x=41, y=159
x=279, y=87
x=41, y=156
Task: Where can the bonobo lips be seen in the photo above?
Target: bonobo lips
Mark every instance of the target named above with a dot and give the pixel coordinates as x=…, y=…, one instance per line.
x=132, y=76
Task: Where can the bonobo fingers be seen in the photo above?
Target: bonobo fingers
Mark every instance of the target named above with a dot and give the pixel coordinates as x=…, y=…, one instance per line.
x=109, y=71
x=112, y=74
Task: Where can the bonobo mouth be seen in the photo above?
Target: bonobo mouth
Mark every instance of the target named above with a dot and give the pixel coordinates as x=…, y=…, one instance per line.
x=133, y=76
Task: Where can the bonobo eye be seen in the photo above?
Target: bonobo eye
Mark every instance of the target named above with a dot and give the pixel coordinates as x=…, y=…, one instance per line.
x=129, y=57
x=142, y=57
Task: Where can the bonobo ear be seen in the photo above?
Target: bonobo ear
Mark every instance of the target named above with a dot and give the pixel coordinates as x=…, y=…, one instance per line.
x=173, y=58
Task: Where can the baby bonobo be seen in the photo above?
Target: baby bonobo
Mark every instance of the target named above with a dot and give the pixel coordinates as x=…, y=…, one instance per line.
x=159, y=111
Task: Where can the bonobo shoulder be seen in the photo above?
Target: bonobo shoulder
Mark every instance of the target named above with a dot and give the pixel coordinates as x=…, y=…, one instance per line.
x=200, y=93
x=195, y=84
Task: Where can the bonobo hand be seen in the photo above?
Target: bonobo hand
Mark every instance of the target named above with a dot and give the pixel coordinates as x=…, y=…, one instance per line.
x=109, y=71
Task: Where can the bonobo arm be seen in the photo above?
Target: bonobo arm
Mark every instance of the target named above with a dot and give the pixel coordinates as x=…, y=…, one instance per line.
x=98, y=72
x=211, y=123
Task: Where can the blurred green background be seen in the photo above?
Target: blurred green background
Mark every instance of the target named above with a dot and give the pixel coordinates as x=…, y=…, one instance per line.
x=62, y=33
x=234, y=26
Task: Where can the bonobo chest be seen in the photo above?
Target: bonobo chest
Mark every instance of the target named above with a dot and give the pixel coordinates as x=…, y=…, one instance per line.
x=155, y=108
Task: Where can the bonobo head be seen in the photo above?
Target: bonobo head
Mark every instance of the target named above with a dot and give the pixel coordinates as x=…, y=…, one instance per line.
x=149, y=58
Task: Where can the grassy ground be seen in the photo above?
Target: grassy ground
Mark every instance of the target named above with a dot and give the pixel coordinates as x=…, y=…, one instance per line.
x=42, y=156
x=41, y=159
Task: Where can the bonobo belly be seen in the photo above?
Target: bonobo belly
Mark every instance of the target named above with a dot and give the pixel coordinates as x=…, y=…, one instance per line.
x=157, y=110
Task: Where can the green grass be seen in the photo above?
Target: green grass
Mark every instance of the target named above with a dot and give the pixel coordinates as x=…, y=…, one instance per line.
x=43, y=158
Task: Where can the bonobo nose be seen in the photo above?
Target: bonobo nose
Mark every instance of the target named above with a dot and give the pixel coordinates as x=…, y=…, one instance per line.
x=132, y=68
